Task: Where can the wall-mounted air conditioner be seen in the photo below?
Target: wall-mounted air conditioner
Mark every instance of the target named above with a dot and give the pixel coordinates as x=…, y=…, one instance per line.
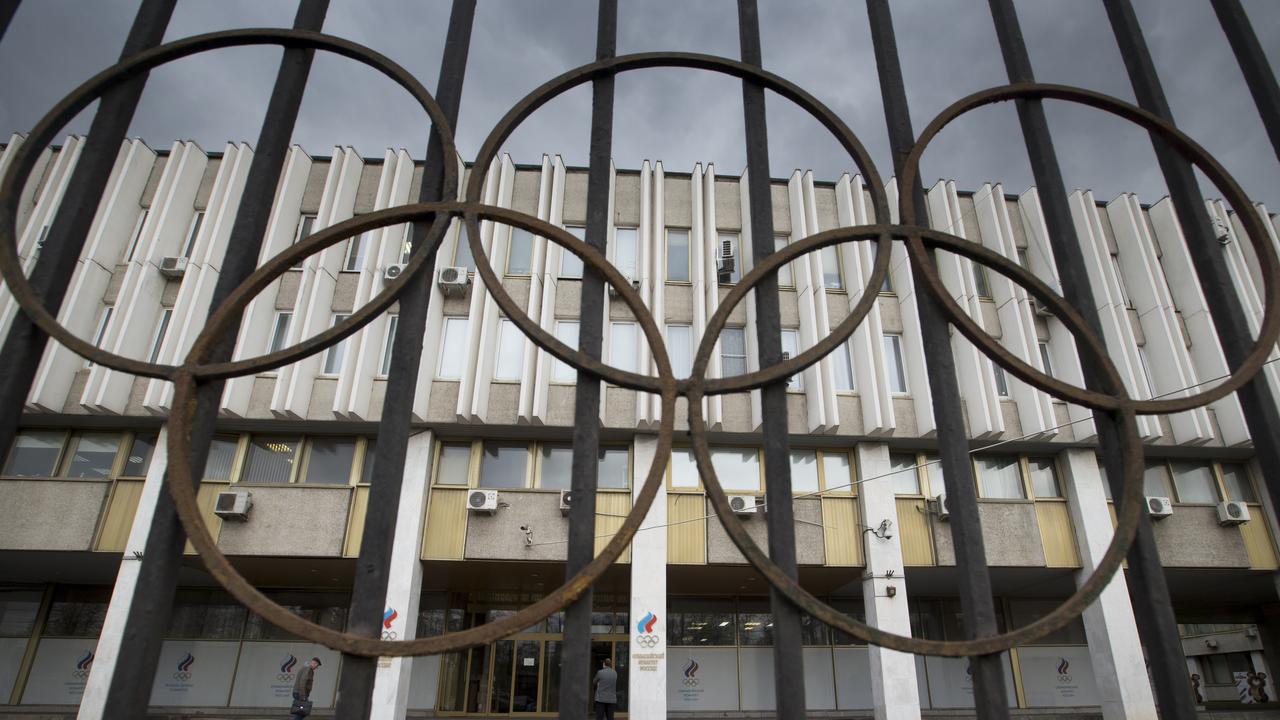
x=173, y=267
x=1232, y=513
x=743, y=504
x=233, y=505
x=453, y=280
x=393, y=271
x=1159, y=507
x=613, y=291
x=482, y=501
x=944, y=513
x=566, y=501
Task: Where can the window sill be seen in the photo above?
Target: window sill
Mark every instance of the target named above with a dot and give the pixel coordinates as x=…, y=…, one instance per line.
x=679, y=283
x=1006, y=501
x=836, y=291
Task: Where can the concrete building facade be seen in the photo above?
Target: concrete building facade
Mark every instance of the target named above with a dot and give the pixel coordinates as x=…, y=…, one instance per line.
x=682, y=615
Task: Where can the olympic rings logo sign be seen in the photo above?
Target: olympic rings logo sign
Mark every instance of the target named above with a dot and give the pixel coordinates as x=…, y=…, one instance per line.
x=648, y=641
x=389, y=635
x=182, y=676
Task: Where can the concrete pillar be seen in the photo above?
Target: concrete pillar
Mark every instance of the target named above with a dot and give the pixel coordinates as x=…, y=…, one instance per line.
x=893, y=674
x=392, y=679
x=647, y=683
x=1118, y=664
x=107, y=654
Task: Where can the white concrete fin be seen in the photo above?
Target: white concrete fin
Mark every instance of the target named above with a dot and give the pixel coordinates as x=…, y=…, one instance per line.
x=647, y=275
x=752, y=345
x=543, y=361
x=913, y=357
x=481, y=313
x=26, y=199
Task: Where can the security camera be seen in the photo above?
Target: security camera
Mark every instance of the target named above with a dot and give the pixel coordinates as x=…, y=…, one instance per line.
x=524, y=528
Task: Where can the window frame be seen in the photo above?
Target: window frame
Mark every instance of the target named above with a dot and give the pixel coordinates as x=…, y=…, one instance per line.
x=388, y=341
x=356, y=249
x=338, y=349
x=193, y=232
x=745, y=367
x=899, y=363
x=634, y=273
x=842, y=286
x=302, y=230
x=1020, y=468
x=688, y=253
x=580, y=232
x=511, y=237
x=135, y=240
x=735, y=238
x=506, y=324
x=558, y=365
x=465, y=323
x=161, y=334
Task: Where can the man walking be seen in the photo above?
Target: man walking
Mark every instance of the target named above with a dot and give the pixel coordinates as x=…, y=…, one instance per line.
x=606, y=691
x=302, y=689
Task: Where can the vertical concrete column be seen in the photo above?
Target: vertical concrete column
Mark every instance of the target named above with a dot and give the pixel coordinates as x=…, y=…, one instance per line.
x=647, y=684
x=107, y=654
x=1118, y=665
x=404, y=590
x=893, y=674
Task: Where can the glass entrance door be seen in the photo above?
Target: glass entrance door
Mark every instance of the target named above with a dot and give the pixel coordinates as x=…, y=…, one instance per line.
x=521, y=675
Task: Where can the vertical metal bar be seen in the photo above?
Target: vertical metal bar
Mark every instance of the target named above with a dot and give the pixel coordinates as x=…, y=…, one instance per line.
x=788, y=661
x=7, y=10
x=51, y=276
x=576, y=669
x=1253, y=63
x=1147, y=585
x=373, y=567
x=976, y=601
x=130, y=688
x=1260, y=412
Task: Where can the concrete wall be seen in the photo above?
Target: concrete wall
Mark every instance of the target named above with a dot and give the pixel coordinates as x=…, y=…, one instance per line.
x=499, y=537
x=809, y=545
x=1191, y=537
x=1010, y=533
x=50, y=514
x=290, y=520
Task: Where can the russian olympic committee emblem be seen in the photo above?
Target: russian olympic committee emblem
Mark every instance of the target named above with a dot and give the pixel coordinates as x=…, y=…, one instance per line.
x=646, y=637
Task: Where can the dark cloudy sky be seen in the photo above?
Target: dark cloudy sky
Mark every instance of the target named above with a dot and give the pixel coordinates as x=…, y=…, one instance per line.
x=679, y=116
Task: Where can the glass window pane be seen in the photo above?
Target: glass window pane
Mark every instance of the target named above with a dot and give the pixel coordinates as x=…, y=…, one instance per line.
x=270, y=459
x=280, y=331
x=77, y=612
x=334, y=355
x=1155, y=480
x=615, y=468
x=393, y=323
x=567, y=333
x=894, y=370
x=92, y=455
x=462, y=253
x=35, y=453
x=831, y=268
x=453, y=349
x=158, y=343
x=625, y=243
x=790, y=349
x=733, y=351
x=905, y=478
x=679, y=344
x=842, y=368
x=804, y=471
x=18, y=609
x=366, y=464
x=738, y=469
x=785, y=278
x=836, y=470
x=755, y=623
x=933, y=471
x=520, y=252
x=455, y=465
x=570, y=264
x=851, y=608
x=557, y=465
x=684, y=471
x=1044, y=359
x=700, y=623
x=980, y=280
x=222, y=453
x=678, y=255
x=1025, y=612
x=1239, y=487
x=887, y=285
x=622, y=346
x=510, y=361
x=354, y=261
x=1000, y=476
x=140, y=452
x=503, y=465
x=330, y=460
x=1044, y=477
x=1002, y=383
x=1195, y=483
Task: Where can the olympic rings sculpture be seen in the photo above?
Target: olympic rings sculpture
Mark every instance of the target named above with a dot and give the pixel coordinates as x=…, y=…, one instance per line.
x=197, y=367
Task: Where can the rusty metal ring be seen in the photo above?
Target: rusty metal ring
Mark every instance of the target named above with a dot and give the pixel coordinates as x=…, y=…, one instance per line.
x=609, y=68
x=67, y=108
x=1269, y=329
x=182, y=486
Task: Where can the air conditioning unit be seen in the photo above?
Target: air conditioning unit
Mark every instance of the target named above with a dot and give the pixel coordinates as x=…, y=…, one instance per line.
x=453, y=280
x=725, y=262
x=173, y=267
x=944, y=513
x=1040, y=309
x=613, y=291
x=1159, y=507
x=482, y=501
x=233, y=505
x=742, y=504
x=393, y=271
x=566, y=501
x=1232, y=513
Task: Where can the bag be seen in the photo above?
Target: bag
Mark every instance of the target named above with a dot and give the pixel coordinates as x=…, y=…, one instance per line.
x=301, y=707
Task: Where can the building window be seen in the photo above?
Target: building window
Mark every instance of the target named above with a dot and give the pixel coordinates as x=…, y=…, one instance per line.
x=837, y=470
x=842, y=368
x=999, y=477
x=356, y=246
x=1044, y=359
x=35, y=453
x=330, y=459
x=520, y=252
x=137, y=235
x=100, y=333
x=1146, y=373
x=222, y=456
x=280, y=331
x=886, y=287
x=388, y=345
x=622, y=345
x=503, y=465
x=334, y=356
x=462, y=253
x=1002, y=382
x=1022, y=259
x=933, y=473
x=305, y=225
x=366, y=462
x=1044, y=478
x=804, y=471
x=1124, y=291
x=832, y=277
x=270, y=459
x=684, y=471
x=727, y=252
x=895, y=372
x=454, y=465
x=567, y=333
x=138, y=461
x=903, y=474
x=158, y=342
x=193, y=233
x=92, y=454
x=556, y=465
x=1155, y=480
x=737, y=469
x=626, y=244
x=453, y=349
x=406, y=243
x=733, y=351
x=790, y=349
x=677, y=255
x=1194, y=483
x=570, y=264
x=1235, y=478
x=980, y=282
x=614, y=471
x=510, y=361
x=680, y=343
x=785, y=277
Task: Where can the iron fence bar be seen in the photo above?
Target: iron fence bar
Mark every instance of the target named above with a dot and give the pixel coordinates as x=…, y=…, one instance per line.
x=7, y=10
x=1253, y=64
x=1261, y=414
x=153, y=595
x=788, y=659
x=976, y=601
x=373, y=566
x=1147, y=584
x=51, y=277
x=576, y=673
